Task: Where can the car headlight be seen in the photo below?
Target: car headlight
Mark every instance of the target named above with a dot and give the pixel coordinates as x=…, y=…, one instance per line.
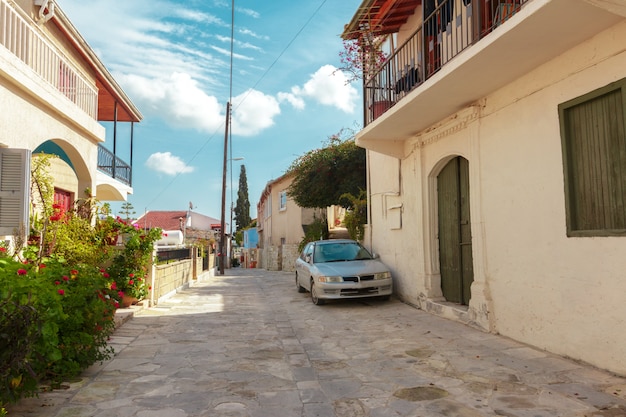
x=330, y=279
x=382, y=275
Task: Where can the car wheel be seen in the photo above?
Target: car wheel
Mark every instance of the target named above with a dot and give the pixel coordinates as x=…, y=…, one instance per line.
x=298, y=286
x=316, y=300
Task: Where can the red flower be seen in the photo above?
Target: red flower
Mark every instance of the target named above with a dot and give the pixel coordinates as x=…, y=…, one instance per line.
x=57, y=282
x=104, y=274
x=74, y=272
x=114, y=285
x=120, y=294
x=3, y=249
x=131, y=275
x=66, y=278
x=150, y=287
x=117, y=304
x=61, y=292
x=22, y=272
x=131, y=282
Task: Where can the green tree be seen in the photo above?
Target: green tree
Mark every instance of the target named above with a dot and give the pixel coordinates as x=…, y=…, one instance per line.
x=323, y=176
x=127, y=210
x=242, y=209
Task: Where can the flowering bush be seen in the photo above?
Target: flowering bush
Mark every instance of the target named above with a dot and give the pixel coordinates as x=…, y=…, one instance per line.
x=129, y=266
x=55, y=320
x=362, y=57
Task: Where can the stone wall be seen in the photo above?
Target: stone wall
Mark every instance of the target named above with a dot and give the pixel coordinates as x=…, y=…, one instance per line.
x=289, y=255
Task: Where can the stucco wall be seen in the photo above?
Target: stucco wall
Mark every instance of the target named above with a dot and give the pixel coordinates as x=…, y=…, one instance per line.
x=532, y=282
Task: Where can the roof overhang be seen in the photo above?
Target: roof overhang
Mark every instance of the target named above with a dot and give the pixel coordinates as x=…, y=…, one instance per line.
x=381, y=17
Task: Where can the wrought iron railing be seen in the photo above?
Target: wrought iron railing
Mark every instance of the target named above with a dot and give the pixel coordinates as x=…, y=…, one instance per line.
x=451, y=27
x=28, y=45
x=114, y=166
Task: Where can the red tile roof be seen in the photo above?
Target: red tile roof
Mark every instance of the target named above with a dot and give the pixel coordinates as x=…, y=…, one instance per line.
x=166, y=220
x=171, y=220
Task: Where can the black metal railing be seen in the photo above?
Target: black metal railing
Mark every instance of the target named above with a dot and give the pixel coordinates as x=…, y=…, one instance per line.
x=171, y=255
x=449, y=29
x=114, y=166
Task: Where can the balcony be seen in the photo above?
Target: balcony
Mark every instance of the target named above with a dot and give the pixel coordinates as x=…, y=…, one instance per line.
x=18, y=37
x=114, y=166
x=462, y=53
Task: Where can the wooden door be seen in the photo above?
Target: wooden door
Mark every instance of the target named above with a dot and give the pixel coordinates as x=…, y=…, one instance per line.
x=455, y=237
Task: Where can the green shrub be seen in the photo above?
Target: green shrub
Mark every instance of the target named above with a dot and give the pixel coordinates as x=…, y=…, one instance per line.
x=56, y=320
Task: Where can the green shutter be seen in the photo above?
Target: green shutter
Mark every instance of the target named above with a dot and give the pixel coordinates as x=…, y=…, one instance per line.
x=595, y=162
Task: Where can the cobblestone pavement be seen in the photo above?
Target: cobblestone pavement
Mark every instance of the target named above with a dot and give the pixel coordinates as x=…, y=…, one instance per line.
x=248, y=344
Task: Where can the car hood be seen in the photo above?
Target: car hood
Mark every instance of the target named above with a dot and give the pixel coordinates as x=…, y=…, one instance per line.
x=348, y=268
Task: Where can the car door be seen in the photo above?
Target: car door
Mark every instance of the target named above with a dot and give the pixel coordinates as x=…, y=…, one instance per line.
x=303, y=266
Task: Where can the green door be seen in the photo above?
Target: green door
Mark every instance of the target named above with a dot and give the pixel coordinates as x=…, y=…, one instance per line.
x=455, y=235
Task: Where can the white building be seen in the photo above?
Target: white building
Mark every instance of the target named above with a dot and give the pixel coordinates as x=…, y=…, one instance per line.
x=497, y=166
x=55, y=95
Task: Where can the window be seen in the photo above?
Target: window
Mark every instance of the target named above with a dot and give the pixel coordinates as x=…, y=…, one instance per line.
x=283, y=200
x=594, y=160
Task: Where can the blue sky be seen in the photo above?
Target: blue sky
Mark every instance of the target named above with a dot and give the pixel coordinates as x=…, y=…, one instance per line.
x=172, y=58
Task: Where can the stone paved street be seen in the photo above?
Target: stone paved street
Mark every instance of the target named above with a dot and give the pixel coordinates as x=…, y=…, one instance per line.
x=248, y=344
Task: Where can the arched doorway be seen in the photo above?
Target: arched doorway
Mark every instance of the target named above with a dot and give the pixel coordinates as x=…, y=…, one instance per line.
x=455, y=235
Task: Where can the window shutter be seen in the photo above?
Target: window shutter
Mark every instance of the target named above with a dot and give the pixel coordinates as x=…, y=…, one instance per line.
x=14, y=186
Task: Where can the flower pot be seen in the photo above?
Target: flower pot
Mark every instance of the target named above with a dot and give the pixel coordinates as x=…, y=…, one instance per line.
x=379, y=107
x=128, y=300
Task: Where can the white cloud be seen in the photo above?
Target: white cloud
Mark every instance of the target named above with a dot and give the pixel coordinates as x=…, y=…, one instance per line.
x=253, y=111
x=327, y=86
x=293, y=98
x=168, y=164
x=178, y=100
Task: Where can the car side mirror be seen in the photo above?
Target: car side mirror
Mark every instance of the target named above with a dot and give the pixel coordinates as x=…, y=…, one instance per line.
x=307, y=259
x=375, y=255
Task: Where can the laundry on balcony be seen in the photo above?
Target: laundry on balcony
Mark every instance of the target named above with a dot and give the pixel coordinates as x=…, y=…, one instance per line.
x=408, y=80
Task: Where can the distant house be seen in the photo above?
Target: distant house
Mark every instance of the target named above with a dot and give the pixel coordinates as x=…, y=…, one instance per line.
x=280, y=225
x=496, y=145
x=56, y=97
x=184, y=226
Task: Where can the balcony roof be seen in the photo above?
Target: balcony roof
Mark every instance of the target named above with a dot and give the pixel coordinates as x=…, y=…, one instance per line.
x=109, y=91
x=380, y=16
x=539, y=32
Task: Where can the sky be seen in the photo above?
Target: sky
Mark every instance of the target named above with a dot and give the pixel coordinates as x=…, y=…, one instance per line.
x=173, y=59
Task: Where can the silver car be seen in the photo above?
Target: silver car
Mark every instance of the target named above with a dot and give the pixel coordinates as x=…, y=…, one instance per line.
x=341, y=268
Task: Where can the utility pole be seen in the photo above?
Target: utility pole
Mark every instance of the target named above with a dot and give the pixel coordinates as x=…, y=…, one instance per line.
x=221, y=254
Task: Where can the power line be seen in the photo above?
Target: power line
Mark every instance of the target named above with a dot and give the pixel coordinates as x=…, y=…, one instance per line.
x=230, y=95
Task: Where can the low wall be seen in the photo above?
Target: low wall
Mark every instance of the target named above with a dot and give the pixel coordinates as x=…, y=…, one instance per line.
x=167, y=279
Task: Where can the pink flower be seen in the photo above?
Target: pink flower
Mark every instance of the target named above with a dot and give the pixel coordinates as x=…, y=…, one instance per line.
x=117, y=304
x=120, y=294
x=22, y=272
x=114, y=285
x=61, y=292
x=104, y=274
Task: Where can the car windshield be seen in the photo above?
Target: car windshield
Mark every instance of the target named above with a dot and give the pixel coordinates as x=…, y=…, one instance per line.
x=340, y=252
